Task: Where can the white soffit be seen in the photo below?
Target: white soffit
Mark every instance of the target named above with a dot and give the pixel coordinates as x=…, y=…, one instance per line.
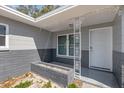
x=91, y=18
x=60, y=18
x=13, y=14
x=21, y=17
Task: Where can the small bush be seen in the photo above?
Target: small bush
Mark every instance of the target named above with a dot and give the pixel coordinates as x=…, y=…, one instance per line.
x=24, y=84
x=72, y=85
x=47, y=85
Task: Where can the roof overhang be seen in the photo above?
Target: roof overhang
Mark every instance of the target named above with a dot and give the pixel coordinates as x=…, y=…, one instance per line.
x=59, y=19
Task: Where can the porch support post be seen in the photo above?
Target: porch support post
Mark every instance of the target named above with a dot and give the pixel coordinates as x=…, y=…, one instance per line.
x=77, y=47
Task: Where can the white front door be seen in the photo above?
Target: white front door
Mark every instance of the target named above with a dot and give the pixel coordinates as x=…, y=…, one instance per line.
x=101, y=48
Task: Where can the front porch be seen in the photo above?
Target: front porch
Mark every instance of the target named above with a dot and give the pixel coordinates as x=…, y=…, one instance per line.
x=96, y=77
x=84, y=41
x=99, y=78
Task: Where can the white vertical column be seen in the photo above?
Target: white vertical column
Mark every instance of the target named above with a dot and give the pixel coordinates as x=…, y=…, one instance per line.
x=77, y=48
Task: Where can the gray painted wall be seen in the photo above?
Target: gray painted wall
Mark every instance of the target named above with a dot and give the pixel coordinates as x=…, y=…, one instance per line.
x=26, y=44
x=118, y=47
x=23, y=36
x=122, y=53
x=84, y=44
x=84, y=35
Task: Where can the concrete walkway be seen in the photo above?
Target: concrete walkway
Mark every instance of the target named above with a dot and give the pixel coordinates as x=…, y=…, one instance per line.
x=96, y=77
x=99, y=78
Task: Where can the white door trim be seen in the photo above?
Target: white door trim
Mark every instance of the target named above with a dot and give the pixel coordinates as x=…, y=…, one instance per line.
x=90, y=45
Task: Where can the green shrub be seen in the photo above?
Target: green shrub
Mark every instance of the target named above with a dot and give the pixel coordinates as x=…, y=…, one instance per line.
x=47, y=85
x=72, y=85
x=24, y=84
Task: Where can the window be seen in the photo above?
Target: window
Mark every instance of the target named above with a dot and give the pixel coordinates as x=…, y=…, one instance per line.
x=65, y=45
x=3, y=36
x=62, y=45
x=71, y=45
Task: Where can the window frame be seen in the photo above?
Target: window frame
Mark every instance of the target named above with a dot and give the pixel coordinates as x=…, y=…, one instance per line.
x=6, y=47
x=58, y=45
x=67, y=46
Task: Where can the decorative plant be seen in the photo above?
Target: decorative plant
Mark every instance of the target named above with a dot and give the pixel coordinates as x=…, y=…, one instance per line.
x=47, y=85
x=72, y=85
x=24, y=84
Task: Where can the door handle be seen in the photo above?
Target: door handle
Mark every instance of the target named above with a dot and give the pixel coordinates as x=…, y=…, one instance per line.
x=91, y=48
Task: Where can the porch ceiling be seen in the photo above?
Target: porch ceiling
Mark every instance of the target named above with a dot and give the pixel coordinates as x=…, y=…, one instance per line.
x=60, y=20
x=89, y=15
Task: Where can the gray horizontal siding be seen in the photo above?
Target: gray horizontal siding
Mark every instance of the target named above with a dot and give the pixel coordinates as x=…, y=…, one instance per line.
x=122, y=67
x=70, y=61
x=117, y=66
x=23, y=36
x=27, y=44
x=60, y=59
x=45, y=55
x=17, y=62
x=85, y=58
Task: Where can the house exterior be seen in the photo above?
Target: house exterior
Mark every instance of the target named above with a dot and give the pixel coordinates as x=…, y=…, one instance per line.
x=24, y=40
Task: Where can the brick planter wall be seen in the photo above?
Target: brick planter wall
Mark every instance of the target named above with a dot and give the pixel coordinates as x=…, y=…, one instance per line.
x=61, y=75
